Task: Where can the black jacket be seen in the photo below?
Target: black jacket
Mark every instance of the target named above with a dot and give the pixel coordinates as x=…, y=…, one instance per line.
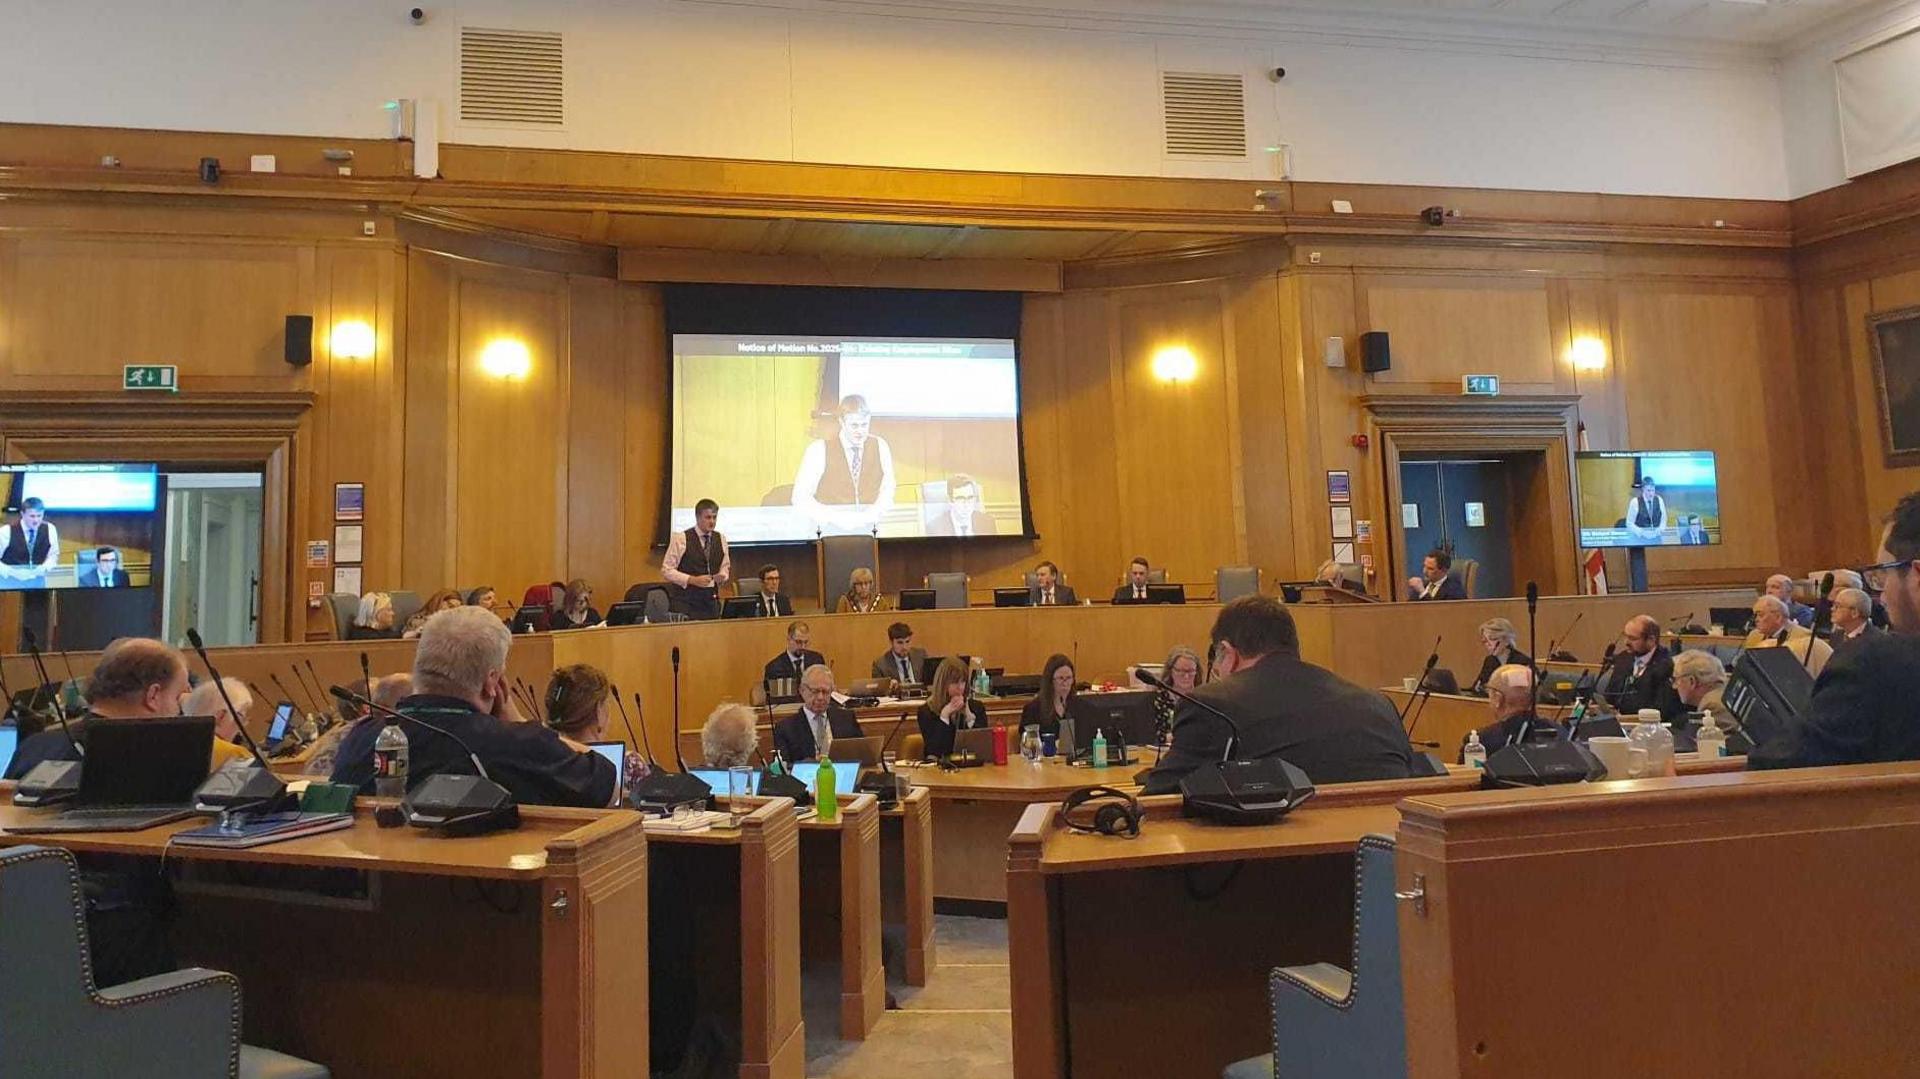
x=1865, y=709
x=526, y=758
x=782, y=606
x=1653, y=689
x=1495, y=736
x=938, y=736
x=793, y=738
x=558, y=620
x=1841, y=641
x=1331, y=729
x=1062, y=596
x=1124, y=594
x=1492, y=664
x=781, y=666
x=1451, y=587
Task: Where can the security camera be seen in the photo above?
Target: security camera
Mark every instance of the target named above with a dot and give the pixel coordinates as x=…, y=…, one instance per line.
x=1434, y=215
x=1277, y=74
x=417, y=15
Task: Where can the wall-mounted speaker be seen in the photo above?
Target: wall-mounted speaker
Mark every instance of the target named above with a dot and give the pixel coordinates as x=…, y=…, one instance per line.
x=299, y=345
x=1373, y=352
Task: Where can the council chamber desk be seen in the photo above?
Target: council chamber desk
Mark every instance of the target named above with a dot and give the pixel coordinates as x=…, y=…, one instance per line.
x=527, y=949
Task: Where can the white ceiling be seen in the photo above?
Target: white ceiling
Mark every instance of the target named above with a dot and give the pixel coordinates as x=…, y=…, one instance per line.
x=1768, y=22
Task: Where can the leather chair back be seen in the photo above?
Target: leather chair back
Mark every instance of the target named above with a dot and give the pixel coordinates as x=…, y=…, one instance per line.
x=1232, y=582
x=949, y=590
x=343, y=607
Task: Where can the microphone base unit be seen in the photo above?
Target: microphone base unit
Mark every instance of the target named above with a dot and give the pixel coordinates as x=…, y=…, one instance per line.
x=669, y=789
x=48, y=783
x=1541, y=764
x=242, y=784
x=782, y=785
x=458, y=805
x=966, y=758
x=1244, y=792
x=889, y=786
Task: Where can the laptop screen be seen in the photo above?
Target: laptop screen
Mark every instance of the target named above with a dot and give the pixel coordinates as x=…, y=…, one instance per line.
x=282, y=715
x=844, y=774
x=615, y=752
x=9, y=739
x=143, y=762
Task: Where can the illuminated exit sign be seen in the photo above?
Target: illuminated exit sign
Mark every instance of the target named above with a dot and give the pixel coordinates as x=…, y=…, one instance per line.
x=151, y=376
x=1480, y=385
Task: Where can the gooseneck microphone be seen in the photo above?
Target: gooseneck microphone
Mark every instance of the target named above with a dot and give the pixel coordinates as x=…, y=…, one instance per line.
x=370, y=705
x=366, y=672
x=1157, y=682
x=40, y=669
x=677, y=756
x=200, y=649
x=1533, y=644
x=883, y=781
x=1433, y=660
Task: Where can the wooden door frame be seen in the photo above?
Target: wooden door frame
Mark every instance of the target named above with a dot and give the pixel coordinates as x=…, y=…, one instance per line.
x=253, y=430
x=1525, y=423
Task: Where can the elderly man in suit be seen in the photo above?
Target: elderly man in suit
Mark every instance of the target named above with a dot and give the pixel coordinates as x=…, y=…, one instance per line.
x=1285, y=707
x=1773, y=629
x=1852, y=618
x=901, y=662
x=1047, y=590
x=809, y=732
x=1780, y=586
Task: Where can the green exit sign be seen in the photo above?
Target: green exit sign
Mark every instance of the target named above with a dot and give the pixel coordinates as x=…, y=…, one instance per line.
x=151, y=376
x=1480, y=385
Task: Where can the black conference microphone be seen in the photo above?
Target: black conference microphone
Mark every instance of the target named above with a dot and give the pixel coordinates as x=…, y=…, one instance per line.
x=676, y=709
x=49, y=781
x=366, y=672
x=1822, y=617
x=239, y=783
x=453, y=805
x=282, y=687
x=1234, y=791
x=1553, y=646
x=40, y=669
x=889, y=786
x=661, y=790
x=313, y=697
x=318, y=698
x=1433, y=660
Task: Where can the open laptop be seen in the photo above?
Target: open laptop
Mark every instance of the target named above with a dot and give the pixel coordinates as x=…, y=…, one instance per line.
x=862, y=751
x=627, y=613
x=1012, y=597
x=1127, y=715
x=138, y=773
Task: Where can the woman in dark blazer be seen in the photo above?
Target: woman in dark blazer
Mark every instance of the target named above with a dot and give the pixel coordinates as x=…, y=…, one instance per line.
x=950, y=707
x=1501, y=641
x=576, y=608
x=1049, y=706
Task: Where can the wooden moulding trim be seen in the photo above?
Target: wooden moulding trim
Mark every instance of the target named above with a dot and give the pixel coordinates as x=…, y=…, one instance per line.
x=1028, y=837
x=572, y=849
x=461, y=238
x=1555, y=406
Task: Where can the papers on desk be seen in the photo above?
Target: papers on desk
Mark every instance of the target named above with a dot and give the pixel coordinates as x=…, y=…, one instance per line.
x=684, y=822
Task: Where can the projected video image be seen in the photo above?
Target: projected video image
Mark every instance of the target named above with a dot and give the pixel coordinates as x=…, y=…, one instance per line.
x=1667, y=498
x=78, y=525
x=800, y=436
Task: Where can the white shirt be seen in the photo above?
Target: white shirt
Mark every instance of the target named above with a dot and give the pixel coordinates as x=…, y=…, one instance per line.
x=822, y=731
x=1652, y=531
x=813, y=466
x=677, y=548
x=25, y=572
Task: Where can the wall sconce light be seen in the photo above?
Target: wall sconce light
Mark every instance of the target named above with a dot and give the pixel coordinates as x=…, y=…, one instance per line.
x=1175, y=363
x=1588, y=354
x=352, y=339
x=505, y=357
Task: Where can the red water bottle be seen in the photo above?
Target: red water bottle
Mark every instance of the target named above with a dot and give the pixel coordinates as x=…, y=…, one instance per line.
x=999, y=744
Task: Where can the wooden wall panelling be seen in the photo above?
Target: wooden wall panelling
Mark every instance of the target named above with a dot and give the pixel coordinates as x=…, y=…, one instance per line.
x=1441, y=327
x=643, y=428
x=429, y=432
x=1846, y=442
x=510, y=449
x=1261, y=356
x=596, y=410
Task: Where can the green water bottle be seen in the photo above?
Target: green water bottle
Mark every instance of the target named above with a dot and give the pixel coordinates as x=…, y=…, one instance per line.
x=826, y=794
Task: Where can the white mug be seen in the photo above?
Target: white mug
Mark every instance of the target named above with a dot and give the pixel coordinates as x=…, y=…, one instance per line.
x=1622, y=759
x=1410, y=684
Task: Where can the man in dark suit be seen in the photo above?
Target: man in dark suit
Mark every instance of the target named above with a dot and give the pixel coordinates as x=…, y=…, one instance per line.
x=1436, y=580
x=1642, y=675
x=1866, y=704
x=964, y=516
x=1135, y=588
x=808, y=733
x=794, y=662
x=1047, y=591
x=1510, y=695
x=106, y=572
x=1333, y=730
x=1852, y=619
x=901, y=662
x=773, y=603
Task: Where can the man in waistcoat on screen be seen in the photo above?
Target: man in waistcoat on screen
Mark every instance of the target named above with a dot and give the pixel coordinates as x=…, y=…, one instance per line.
x=1646, y=516
x=845, y=483
x=29, y=548
x=697, y=564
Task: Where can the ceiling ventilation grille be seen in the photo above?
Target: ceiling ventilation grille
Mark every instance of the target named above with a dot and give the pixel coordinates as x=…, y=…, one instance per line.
x=1206, y=114
x=511, y=76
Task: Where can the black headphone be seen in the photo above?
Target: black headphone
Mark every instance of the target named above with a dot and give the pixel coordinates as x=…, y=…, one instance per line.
x=1118, y=813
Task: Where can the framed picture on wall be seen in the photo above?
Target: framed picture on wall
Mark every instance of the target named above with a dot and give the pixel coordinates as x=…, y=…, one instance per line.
x=1894, y=337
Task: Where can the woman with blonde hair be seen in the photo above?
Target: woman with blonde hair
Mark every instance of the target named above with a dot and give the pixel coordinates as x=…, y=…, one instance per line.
x=950, y=707
x=862, y=596
x=1501, y=641
x=374, y=620
x=576, y=607
x=444, y=600
x=1182, y=672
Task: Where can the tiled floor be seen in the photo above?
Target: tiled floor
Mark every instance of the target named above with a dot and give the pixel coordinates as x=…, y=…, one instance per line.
x=957, y=1026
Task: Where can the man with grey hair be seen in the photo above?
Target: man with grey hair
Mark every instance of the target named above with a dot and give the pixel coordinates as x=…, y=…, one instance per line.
x=460, y=685
x=1510, y=697
x=205, y=700
x=808, y=733
x=1700, y=679
x=1852, y=618
x=728, y=738
x=1772, y=628
x=1780, y=586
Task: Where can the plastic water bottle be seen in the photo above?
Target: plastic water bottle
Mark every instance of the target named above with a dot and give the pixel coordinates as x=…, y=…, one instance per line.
x=390, y=762
x=1712, y=741
x=1474, y=754
x=826, y=793
x=982, y=685
x=1653, y=736
x=1099, y=748
x=1030, y=744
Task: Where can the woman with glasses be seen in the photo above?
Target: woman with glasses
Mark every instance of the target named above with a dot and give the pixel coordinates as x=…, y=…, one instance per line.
x=1501, y=641
x=1182, y=672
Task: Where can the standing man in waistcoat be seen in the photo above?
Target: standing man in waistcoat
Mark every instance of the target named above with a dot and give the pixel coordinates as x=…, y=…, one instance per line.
x=31, y=547
x=1646, y=516
x=697, y=564
x=846, y=483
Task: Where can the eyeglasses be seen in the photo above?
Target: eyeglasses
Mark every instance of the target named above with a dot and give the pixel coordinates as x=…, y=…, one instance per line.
x=1877, y=577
